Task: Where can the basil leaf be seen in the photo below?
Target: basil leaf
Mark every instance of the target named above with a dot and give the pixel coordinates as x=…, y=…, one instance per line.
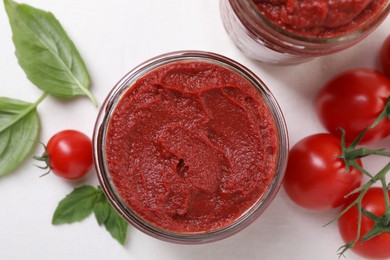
x=19, y=130
x=76, y=206
x=102, y=208
x=117, y=226
x=81, y=202
x=45, y=52
x=113, y=222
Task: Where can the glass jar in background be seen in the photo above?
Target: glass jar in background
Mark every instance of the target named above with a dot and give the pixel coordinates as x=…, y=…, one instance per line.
x=290, y=40
x=118, y=121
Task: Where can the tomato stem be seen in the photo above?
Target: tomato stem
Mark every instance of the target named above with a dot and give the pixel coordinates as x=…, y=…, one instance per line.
x=384, y=114
x=355, y=165
x=386, y=216
x=363, y=152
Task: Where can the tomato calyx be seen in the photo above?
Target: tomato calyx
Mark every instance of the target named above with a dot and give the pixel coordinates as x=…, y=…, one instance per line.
x=45, y=158
x=350, y=153
x=381, y=225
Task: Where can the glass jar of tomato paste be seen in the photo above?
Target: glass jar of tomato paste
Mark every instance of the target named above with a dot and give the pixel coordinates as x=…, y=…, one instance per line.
x=283, y=32
x=190, y=147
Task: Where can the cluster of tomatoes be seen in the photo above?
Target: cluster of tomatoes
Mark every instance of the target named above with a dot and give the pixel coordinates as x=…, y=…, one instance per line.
x=317, y=176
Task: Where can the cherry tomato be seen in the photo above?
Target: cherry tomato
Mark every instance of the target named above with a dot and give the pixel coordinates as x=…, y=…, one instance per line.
x=352, y=100
x=376, y=247
x=70, y=154
x=315, y=178
x=385, y=57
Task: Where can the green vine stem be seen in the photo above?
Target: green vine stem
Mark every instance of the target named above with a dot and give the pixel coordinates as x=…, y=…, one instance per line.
x=384, y=114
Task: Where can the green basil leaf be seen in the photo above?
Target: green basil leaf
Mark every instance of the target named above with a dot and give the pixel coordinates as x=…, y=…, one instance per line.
x=113, y=222
x=117, y=226
x=76, y=206
x=19, y=130
x=46, y=53
x=102, y=208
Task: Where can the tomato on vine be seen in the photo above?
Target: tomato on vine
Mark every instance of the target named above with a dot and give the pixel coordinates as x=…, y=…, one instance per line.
x=352, y=100
x=315, y=177
x=68, y=154
x=375, y=226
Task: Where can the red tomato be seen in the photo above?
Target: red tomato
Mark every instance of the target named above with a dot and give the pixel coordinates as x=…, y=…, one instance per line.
x=352, y=100
x=315, y=178
x=385, y=57
x=376, y=247
x=70, y=154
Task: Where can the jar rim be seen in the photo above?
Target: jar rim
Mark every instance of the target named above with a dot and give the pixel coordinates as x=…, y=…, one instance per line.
x=271, y=27
x=109, y=188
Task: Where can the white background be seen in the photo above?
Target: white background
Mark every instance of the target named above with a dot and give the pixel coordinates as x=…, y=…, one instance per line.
x=113, y=37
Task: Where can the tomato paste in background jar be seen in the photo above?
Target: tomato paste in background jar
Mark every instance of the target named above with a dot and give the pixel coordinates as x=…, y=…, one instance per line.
x=190, y=147
x=291, y=31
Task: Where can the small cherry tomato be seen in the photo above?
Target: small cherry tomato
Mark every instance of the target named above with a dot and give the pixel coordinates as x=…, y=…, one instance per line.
x=70, y=154
x=315, y=178
x=385, y=57
x=352, y=100
x=377, y=246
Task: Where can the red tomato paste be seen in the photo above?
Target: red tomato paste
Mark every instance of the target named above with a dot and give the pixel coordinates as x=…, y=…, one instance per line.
x=320, y=18
x=191, y=146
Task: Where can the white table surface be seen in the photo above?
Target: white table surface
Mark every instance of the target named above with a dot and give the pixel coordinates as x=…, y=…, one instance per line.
x=113, y=37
